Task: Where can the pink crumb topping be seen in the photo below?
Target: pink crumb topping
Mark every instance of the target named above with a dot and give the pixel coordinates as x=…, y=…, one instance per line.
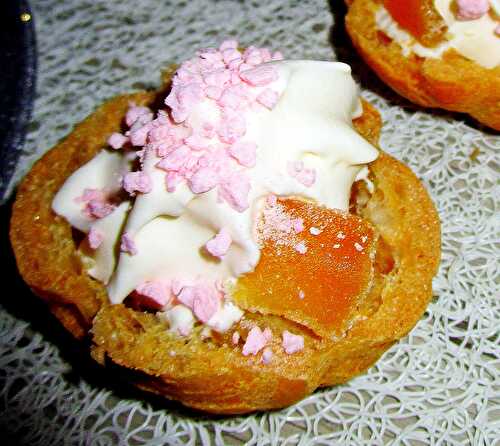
x=95, y=238
x=260, y=76
x=292, y=343
x=245, y=152
x=472, y=9
x=219, y=245
x=203, y=299
x=301, y=294
x=203, y=180
x=137, y=182
x=234, y=190
x=255, y=342
x=134, y=113
x=267, y=356
x=303, y=175
x=117, y=140
x=158, y=292
x=301, y=248
x=298, y=225
x=268, y=98
x=99, y=208
x=128, y=244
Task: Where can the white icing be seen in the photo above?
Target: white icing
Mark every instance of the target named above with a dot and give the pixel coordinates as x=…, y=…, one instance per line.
x=180, y=319
x=104, y=257
x=104, y=171
x=474, y=39
x=226, y=316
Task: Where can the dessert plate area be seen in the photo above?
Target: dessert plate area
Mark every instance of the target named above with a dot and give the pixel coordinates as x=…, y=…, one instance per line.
x=439, y=385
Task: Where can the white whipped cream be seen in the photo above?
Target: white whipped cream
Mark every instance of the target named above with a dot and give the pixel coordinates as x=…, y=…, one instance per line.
x=474, y=39
x=311, y=122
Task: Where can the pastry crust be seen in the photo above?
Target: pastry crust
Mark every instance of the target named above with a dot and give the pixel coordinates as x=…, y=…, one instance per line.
x=212, y=374
x=452, y=82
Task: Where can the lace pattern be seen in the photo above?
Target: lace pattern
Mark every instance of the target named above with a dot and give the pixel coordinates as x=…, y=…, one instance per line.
x=439, y=385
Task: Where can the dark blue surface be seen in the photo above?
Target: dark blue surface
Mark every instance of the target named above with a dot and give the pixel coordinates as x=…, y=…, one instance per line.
x=17, y=84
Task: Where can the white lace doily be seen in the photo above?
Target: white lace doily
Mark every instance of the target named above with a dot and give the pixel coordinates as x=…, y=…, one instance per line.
x=440, y=385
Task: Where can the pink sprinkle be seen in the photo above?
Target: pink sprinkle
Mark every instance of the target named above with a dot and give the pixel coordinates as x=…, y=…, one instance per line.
x=268, y=334
x=219, y=245
x=298, y=225
x=203, y=180
x=213, y=92
x=497, y=30
x=91, y=194
x=99, y=208
x=230, y=99
x=230, y=54
x=137, y=182
x=128, y=244
x=134, y=113
x=159, y=133
x=176, y=159
x=157, y=291
x=228, y=44
x=234, y=190
x=245, y=152
x=260, y=76
x=292, y=343
x=231, y=128
x=117, y=140
x=182, y=99
x=302, y=174
x=218, y=78
x=235, y=338
x=196, y=142
x=255, y=342
x=202, y=299
x=471, y=9
x=267, y=356
x=138, y=136
x=358, y=247
x=277, y=55
x=95, y=238
x=172, y=179
x=268, y=98
x=301, y=248
x=301, y=294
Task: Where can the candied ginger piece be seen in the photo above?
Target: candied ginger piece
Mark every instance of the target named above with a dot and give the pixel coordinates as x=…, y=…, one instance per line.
x=331, y=279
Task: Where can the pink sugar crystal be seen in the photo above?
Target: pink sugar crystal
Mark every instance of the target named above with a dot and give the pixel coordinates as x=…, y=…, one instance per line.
x=234, y=190
x=137, y=182
x=95, y=238
x=267, y=356
x=268, y=98
x=117, y=140
x=260, y=76
x=203, y=299
x=157, y=291
x=219, y=245
x=128, y=244
x=255, y=342
x=472, y=9
x=292, y=343
x=245, y=152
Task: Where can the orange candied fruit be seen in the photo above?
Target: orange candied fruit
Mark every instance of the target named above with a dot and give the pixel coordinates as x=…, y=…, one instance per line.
x=409, y=14
x=320, y=287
